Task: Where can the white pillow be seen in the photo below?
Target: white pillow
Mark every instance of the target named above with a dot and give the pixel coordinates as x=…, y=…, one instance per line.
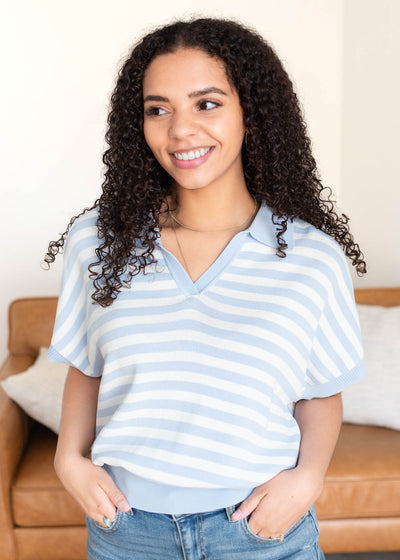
x=39, y=390
x=375, y=400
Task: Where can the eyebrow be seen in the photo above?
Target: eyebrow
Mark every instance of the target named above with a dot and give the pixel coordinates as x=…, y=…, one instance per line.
x=198, y=93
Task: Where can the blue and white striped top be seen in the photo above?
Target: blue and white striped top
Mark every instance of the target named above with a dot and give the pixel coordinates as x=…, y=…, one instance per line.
x=199, y=379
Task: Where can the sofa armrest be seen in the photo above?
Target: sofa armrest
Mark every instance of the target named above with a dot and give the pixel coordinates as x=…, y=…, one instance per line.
x=14, y=422
x=14, y=431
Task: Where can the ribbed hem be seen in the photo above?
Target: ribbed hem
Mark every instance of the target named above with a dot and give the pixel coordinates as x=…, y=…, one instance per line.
x=148, y=495
x=336, y=385
x=54, y=356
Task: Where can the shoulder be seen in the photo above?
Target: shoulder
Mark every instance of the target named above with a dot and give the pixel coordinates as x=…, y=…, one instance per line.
x=321, y=253
x=83, y=236
x=86, y=222
x=311, y=240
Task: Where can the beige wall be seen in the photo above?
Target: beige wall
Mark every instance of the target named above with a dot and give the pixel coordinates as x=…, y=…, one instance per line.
x=371, y=132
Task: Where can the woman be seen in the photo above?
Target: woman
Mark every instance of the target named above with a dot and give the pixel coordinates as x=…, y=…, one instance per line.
x=224, y=325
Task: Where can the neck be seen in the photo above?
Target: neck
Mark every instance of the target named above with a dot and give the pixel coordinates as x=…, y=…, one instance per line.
x=205, y=209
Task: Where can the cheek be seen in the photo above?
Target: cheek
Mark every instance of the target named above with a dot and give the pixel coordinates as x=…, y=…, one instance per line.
x=235, y=136
x=154, y=133
x=240, y=128
x=157, y=139
x=235, y=129
x=154, y=141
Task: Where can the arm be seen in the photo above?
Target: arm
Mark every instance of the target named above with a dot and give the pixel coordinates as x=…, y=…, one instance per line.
x=280, y=502
x=89, y=484
x=319, y=421
x=78, y=420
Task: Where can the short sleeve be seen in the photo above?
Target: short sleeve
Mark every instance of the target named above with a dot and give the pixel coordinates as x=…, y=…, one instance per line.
x=336, y=357
x=69, y=343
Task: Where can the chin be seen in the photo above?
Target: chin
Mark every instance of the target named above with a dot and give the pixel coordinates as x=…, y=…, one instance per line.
x=190, y=183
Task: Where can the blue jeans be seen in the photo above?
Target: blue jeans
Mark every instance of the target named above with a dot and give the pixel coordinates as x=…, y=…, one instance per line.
x=212, y=535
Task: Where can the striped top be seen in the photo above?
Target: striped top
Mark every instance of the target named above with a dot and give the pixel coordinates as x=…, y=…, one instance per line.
x=195, y=405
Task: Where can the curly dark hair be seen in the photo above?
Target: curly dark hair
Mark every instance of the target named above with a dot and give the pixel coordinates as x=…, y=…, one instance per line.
x=278, y=164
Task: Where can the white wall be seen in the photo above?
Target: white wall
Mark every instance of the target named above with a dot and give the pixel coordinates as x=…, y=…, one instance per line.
x=371, y=125
x=58, y=65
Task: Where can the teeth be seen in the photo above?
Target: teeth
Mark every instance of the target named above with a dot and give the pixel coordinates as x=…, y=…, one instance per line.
x=192, y=155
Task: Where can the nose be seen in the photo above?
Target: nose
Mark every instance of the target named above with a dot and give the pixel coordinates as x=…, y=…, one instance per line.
x=183, y=123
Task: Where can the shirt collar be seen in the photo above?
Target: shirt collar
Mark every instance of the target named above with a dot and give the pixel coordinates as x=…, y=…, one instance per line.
x=264, y=230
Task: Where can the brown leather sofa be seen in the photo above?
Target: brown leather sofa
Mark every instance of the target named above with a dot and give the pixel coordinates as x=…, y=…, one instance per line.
x=359, y=509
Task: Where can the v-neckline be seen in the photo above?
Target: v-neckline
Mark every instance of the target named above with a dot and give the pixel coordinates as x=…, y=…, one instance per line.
x=181, y=276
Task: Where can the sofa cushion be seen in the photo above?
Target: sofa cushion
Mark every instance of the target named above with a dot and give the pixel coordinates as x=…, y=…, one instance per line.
x=363, y=479
x=360, y=535
x=39, y=390
x=51, y=543
x=38, y=498
x=375, y=399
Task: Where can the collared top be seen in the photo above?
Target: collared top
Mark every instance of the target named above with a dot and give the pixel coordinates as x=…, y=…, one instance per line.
x=264, y=230
x=199, y=378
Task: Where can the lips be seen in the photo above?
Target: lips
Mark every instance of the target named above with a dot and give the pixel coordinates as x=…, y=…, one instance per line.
x=187, y=159
x=191, y=154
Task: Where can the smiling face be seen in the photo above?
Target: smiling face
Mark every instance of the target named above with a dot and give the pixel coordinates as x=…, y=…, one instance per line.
x=193, y=121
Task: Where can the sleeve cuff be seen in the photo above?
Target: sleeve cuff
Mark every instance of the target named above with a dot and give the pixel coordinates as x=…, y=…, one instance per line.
x=54, y=356
x=336, y=385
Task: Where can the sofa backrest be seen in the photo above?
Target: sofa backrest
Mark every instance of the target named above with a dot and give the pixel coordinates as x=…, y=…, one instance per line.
x=31, y=322
x=385, y=297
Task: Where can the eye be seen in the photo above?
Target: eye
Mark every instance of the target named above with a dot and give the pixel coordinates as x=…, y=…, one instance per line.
x=155, y=111
x=207, y=104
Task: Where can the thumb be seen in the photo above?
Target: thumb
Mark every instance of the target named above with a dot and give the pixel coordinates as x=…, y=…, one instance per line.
x=249, y=504
x=114, y=494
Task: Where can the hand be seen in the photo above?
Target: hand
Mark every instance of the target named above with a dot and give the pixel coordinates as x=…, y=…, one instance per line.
x=280, y=503
x=92, y=487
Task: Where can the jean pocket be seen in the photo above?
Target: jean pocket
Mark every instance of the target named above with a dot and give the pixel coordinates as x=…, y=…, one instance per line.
x=114, y=525
x=249, y=533
x=313, y=515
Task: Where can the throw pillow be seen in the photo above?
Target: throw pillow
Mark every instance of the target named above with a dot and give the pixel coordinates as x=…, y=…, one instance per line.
x=39, y=390
x=375, y=400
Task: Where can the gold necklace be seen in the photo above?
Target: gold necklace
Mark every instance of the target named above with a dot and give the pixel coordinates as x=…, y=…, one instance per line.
x=241, y=226
x=180, y=250
x=200, y=231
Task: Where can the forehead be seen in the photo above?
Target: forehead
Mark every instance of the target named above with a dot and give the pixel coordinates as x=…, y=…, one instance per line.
x=185, y=70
